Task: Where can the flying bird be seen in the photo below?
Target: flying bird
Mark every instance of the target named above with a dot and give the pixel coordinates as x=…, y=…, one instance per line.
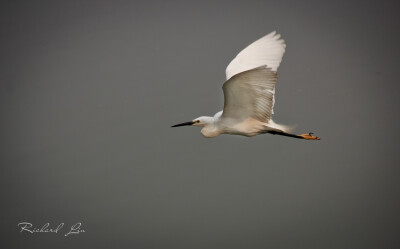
x=249, y=94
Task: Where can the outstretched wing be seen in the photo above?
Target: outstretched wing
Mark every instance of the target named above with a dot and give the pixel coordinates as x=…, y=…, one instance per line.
x=250, y=94
x=267, y=50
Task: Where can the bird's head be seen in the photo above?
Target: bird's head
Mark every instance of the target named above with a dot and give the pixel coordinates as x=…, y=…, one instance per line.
x=200, y=121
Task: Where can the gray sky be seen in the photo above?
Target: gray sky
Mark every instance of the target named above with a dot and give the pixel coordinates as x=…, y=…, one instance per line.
x=89, y=90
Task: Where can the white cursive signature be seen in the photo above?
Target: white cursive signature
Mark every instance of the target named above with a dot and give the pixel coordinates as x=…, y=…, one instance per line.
x=28, y=227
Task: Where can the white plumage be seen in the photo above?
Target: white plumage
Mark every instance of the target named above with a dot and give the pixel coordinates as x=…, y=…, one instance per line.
x=249, y=93
x=268, y=50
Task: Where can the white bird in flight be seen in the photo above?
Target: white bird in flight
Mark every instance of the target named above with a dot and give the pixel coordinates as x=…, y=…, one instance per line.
x=249, y=92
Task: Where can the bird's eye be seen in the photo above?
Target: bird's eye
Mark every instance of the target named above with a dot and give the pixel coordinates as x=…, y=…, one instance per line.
x=197, y=121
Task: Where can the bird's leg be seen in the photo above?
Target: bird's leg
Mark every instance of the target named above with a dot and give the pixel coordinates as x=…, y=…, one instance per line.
x=308, y=136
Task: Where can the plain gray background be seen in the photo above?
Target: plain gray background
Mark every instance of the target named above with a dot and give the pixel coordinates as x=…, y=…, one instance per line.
x=89, y=90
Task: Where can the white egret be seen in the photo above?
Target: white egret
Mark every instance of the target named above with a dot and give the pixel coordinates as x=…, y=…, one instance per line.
x=249, y=94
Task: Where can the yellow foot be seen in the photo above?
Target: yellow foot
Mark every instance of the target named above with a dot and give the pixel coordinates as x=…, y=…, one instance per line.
x=309, y=136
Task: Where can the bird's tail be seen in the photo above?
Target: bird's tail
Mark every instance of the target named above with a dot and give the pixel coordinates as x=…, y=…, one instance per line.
x=284, y=128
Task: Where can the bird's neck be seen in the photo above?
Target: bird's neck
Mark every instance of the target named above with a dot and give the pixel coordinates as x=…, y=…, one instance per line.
x=210, y=129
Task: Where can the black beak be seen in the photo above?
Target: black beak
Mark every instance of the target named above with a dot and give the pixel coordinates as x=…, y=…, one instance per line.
x=183, y=124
